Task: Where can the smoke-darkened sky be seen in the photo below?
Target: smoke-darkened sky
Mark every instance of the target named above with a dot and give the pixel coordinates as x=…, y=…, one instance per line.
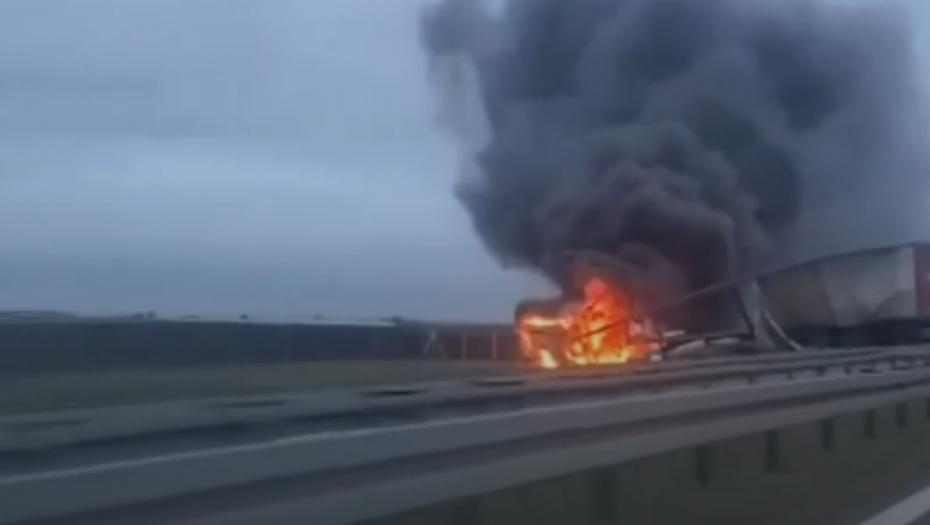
x=272, y=157
x=686, y=139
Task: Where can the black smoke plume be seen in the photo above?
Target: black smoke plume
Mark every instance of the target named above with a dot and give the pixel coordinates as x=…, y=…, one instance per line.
x=677, y=135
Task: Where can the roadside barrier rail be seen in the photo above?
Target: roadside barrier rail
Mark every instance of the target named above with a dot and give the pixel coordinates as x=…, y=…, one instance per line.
x=487, y=451
x=405, y=404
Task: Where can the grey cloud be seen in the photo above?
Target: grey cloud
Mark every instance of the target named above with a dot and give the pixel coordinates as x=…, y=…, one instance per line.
x=242, y=68
x=228, y=156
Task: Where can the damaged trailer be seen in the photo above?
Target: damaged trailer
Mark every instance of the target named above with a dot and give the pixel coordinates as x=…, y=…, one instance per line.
x=873, y=297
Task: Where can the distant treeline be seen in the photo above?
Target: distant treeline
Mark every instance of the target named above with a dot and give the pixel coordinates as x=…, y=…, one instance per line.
x=43, y=347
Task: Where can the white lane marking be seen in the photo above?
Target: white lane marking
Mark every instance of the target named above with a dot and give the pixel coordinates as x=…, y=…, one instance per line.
x=903, y=512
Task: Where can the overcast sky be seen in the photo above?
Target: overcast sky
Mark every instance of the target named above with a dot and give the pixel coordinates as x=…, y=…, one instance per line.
x=272, y=157
x=217, y=157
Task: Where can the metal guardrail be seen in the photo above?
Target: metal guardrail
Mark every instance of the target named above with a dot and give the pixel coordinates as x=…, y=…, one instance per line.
x=479, y=450
x=405, y=404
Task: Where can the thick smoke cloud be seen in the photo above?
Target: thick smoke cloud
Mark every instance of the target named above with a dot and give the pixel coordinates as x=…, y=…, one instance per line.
x=677, y=135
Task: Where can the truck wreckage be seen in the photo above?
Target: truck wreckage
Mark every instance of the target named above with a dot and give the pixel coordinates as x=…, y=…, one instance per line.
x=874, y=297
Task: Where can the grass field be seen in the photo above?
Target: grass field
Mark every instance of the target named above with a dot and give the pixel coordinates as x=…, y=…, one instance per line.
x=87, y=390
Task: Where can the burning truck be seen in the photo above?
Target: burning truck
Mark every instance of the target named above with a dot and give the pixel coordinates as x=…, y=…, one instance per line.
x=614, y=314
x=603, y=322
x=873, y=297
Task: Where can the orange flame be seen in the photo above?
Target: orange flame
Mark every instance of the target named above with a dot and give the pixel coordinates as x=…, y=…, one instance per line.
x=598, y=331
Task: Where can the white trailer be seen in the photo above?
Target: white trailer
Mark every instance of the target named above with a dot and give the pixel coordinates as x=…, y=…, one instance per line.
x=875, y=296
